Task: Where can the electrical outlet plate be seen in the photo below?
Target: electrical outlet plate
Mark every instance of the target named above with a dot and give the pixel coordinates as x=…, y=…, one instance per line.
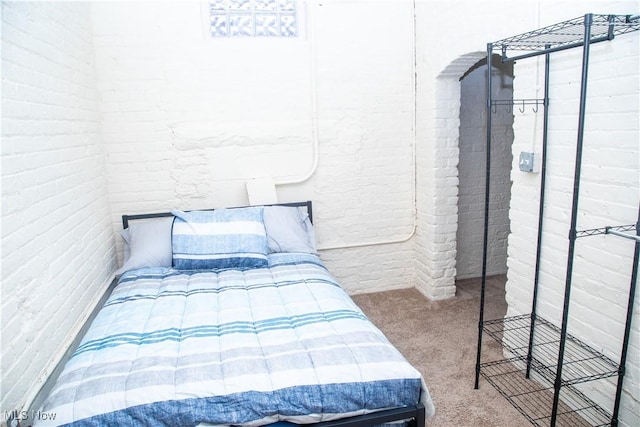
x=526, y=161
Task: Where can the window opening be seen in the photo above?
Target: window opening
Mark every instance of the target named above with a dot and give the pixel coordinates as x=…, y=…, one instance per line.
x=253, y=18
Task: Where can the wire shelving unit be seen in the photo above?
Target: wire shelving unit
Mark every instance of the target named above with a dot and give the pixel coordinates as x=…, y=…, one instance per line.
x=543, y=363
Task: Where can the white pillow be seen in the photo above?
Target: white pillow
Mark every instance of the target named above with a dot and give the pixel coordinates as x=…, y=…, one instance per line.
x=289, y=229
x=148, y=244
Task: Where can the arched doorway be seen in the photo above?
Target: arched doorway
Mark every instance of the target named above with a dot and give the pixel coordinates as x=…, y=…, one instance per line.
x=438, y=175
x=471, y=169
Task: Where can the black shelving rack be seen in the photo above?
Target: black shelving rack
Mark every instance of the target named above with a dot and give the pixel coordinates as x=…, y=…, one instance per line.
x=544, y=362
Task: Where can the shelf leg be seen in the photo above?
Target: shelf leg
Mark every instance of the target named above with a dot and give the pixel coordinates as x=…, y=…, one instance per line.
x=486, y=217
x=543, y=179
x=588, y=19
x=627, y=328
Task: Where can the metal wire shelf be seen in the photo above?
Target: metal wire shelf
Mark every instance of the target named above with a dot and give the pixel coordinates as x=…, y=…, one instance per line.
x=547, y=353
x=605, y=230
x=567, y=34
x=533, y=398
x=581, y=363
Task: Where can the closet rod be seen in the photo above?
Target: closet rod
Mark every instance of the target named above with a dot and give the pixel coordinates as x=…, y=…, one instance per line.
x=609, y=230
x=527, y=101
x=553, y=49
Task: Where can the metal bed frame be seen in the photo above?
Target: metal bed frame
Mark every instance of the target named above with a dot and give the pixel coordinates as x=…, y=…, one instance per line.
x=415, y=416
x=127, y=218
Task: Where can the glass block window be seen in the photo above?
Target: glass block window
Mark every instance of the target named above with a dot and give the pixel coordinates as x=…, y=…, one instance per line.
x=253, y=18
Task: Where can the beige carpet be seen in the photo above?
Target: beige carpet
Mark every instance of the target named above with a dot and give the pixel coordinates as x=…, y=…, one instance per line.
x=439, y=338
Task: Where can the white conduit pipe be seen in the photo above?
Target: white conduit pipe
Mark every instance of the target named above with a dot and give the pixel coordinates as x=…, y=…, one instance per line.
x=314, y=118
x=311, y=23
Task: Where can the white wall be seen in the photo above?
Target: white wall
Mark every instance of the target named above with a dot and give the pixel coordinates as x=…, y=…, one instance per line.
x=58, y=248
x=187, y=120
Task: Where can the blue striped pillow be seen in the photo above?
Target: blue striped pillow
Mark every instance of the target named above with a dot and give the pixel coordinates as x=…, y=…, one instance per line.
x=219, y=239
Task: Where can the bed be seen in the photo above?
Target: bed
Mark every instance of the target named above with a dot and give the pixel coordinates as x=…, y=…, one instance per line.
x=229, y=317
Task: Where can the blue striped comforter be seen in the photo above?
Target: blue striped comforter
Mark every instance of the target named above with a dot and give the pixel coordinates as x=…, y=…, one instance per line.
x=283, y=343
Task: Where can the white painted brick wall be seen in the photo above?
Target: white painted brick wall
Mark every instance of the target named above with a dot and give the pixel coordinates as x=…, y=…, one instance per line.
x=57, y=242
x=188, y=120
x=461, y=42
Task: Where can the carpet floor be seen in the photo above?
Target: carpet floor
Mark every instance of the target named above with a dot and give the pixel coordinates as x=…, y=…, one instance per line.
x=439, y=338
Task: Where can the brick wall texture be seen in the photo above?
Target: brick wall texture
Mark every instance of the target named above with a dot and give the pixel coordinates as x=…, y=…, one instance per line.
x=58, y=245
x=127, y=107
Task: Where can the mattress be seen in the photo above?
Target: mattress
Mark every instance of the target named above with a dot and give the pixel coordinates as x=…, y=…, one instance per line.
x=232, y=347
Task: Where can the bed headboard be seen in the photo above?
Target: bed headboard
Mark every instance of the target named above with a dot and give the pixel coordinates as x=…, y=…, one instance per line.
x=127, y=218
